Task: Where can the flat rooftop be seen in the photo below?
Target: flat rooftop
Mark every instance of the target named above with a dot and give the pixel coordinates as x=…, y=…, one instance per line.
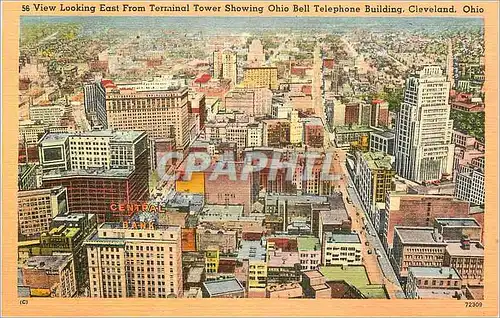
x=313, y=273
x=384, y=134
x=63, y=231
x=283, y=259
x=72, y=217
x=213, y=212
x=88, y=173
x=113, y=135
x=223, y=286
x=336, y=216
x=356, y=276
x=342, y=238
x=434, y=272
x=195, y=274
x=308, y=244
x=316, y=121
x=459, y=222
x=455, y=249
x=46, y=262
x=251, y=250
x=416, y=235
x=378, y=160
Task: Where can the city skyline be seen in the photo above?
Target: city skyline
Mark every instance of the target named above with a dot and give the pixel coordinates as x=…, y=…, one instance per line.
x=297, y=158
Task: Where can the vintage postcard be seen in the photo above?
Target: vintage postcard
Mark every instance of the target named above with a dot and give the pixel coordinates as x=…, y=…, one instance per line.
x=230, y=158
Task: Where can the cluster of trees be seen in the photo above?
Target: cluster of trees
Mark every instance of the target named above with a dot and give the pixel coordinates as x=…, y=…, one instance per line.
x=471, y=123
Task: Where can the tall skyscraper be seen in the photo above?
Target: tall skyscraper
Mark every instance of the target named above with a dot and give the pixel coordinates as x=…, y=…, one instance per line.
x=94, y=96
x=98, y=168
x=159, y=107
x=424, y=150
x=256, y=56
x=37, y=208
x=135, y=260
x=225, y=66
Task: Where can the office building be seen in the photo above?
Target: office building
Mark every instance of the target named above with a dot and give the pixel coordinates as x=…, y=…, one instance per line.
x=382, y=141
x=297, y=129
x=276, y=133
x=373, y=178
x=212, y=257
x=48, y=114
x=433, y=282
x=98, y=168
x=255, y=254
x=159, y=107
x=424, y=150
x=130, y=260
x=380, y=113
x=315, y=285
x=94, y=99
x=454, y=229
x=254, y=135
x=416, y=247
x=30, y=131
x=224, y=189
x=262, y=76
x=283, y=267
x=225, y=65
x=467, y=258
x=224, y=240
x=309, y=249
x=469, y=184
x=341, y=249
x=26, y=176
x=256, y=56
x=403, y=209
x=314, y=132
x=66, y=235
x=50, y=276
x=250, y=101
x=334, y=221
x=229, y=217
x=289, y=291
x=37, y=208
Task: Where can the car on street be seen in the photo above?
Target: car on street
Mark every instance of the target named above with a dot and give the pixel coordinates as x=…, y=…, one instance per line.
x=377, y=252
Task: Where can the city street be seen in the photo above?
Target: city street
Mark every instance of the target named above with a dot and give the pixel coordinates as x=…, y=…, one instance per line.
x=378, y=268
x=382, y=262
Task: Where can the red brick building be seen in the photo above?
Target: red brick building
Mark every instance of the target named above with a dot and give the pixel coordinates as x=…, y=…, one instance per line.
x=314, y=133
x=351, y=114
x=380, y=113
x=88, y=193
x=414, y=210
x=221, y=188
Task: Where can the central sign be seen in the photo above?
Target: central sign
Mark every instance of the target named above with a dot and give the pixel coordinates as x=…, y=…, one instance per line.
x=130, y=208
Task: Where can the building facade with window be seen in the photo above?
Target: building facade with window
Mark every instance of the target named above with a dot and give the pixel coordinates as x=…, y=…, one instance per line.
x=129, y=260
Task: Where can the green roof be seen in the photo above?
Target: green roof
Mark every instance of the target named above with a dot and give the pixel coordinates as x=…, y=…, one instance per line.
x=62, y=230
x=308, y=244
x=374, y=291
x=378, y=160
x=356, y=276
